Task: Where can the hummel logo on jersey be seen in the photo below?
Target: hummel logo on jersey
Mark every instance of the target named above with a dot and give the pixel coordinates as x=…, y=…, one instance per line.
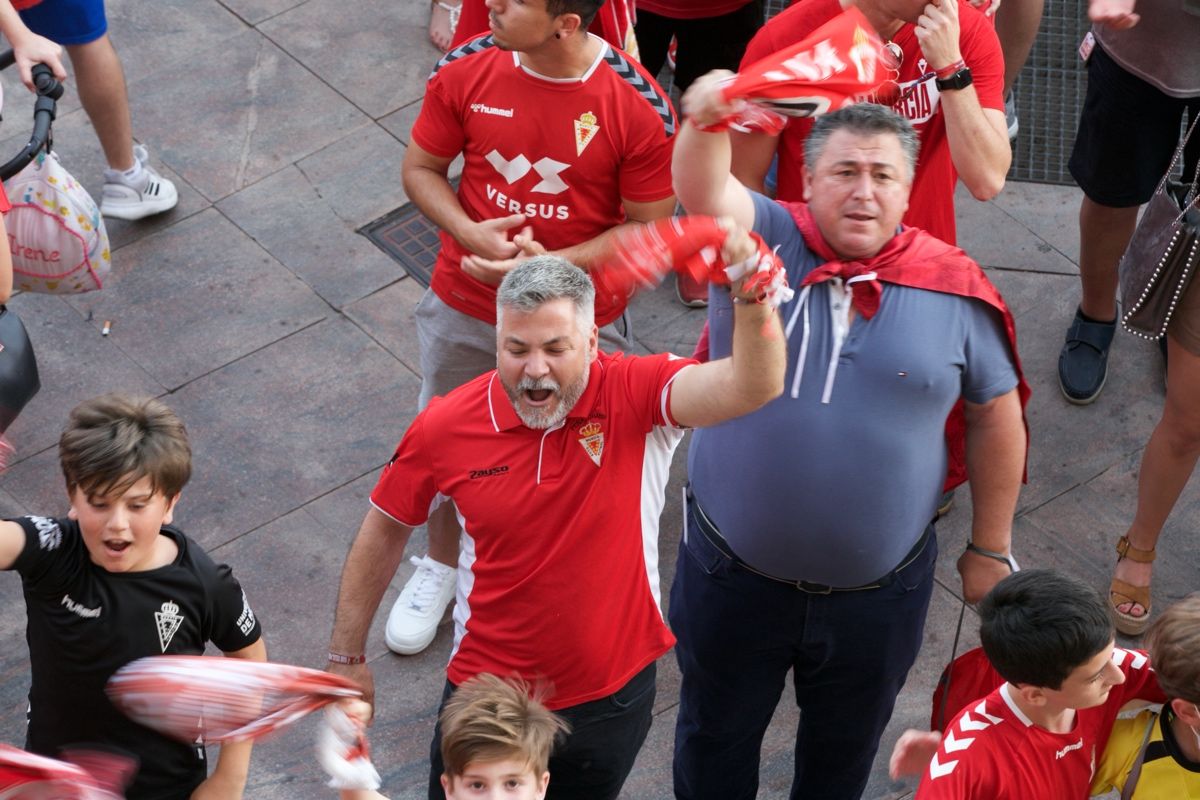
x=487, y=473
x=81, y=610
x=482, y=108
x=512, y=170
x=1077, y=746
x=49, y=534
x=168, y=621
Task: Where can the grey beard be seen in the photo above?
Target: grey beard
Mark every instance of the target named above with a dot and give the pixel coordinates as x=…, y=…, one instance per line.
x=541, y=420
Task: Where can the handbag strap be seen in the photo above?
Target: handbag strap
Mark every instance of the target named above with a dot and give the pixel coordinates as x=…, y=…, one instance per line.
x=1191, y=198
x=1135, y=772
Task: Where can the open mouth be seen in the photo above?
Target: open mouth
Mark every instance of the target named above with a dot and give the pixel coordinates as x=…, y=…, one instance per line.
x=860, y=217
x=116, y=546
x=537, y=396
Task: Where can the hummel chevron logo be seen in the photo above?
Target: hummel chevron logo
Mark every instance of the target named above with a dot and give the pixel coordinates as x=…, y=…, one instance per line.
x=953, y=745
x=981, y=710
x=515, y=169
x=938, y=769
x=968, y=724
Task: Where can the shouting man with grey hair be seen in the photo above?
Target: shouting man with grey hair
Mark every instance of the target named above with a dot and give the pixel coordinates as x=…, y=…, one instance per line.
x=557, y=461
x=808, y=543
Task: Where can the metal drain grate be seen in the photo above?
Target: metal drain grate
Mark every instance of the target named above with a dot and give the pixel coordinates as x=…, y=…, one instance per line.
x=1049, y=95
x=409, y=237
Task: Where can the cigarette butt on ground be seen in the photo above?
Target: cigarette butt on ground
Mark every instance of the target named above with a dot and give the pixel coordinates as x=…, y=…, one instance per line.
x=107, y=329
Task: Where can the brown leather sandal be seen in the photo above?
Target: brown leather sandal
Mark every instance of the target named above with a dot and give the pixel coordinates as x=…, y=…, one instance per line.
x=1124, y=592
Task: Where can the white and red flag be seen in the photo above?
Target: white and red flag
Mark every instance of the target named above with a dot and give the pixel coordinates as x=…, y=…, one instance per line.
x=840, y=63
x=90, y=775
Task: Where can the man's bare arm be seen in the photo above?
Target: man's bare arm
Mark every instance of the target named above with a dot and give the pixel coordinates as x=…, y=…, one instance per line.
x=995, y=463
x=372, y=561
x=752, y=156
x=427, y=183
x=977, y=136
x=706, y=394
x=701, y=161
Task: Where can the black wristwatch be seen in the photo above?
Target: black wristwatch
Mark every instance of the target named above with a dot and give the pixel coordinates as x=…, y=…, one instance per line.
x=959, y=80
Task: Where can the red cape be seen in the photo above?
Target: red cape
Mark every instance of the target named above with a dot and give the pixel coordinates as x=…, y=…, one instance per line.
x=919, y=260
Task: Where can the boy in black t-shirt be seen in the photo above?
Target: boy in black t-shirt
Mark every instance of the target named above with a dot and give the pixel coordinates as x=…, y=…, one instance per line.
x=114, y=581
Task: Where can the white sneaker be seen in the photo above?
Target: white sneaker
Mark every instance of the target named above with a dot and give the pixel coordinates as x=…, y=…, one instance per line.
x=122, y=200
x=414, y=619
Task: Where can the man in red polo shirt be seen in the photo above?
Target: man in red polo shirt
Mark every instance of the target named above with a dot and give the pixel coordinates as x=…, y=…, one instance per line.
x=564, y=139
x=557, y=461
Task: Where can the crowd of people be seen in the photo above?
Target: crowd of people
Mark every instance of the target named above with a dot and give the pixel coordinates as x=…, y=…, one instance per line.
x=831, y=417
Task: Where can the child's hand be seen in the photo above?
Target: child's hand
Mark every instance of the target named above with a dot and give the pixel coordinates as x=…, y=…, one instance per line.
x=912, y=753
x=361, y=794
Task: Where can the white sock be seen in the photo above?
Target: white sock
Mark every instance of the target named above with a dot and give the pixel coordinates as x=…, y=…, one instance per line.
x=134, y=177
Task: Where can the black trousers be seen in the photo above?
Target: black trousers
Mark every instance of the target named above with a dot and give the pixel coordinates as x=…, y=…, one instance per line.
x=596, y=757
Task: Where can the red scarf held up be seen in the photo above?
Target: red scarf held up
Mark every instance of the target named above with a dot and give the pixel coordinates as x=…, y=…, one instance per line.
x=918, y=260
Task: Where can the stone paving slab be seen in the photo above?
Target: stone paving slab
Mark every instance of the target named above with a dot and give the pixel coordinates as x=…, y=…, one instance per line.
x=74, y=363
x=364, y=49
x=238, y=112
x=205, y=289
x=333, y=260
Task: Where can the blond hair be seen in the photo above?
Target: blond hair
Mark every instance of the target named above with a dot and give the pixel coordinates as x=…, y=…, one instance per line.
x=492, y=719
x=1174, y=645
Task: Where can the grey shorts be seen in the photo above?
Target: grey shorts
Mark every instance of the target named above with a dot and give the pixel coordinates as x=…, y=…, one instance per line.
x=456, y=347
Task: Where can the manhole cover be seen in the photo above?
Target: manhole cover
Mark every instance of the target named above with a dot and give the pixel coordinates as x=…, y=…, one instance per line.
x=409, y=237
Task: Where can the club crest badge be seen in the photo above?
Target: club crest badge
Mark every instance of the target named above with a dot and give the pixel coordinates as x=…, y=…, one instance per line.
x=591, y=436
x=168, y=621
x=585, y=130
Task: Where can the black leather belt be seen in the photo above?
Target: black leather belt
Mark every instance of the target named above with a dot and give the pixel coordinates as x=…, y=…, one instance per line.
x=710, y=532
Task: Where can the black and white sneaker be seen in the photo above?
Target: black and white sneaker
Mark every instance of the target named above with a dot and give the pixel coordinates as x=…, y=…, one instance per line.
x=153, y=194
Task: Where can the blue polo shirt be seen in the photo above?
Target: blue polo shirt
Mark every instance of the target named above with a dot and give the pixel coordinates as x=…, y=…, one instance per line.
x=837, y=492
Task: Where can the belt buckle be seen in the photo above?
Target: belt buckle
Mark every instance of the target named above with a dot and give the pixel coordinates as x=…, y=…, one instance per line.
x=813, y=588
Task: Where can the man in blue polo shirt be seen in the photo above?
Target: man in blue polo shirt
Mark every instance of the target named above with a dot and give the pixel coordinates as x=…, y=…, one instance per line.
x=808, y=544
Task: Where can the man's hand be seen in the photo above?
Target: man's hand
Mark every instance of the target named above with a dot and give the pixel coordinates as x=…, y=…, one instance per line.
x=979, y=574
x=937, y=33
x=492, y=271
x=488, y=238
x=360, y=674
x=912, y=753
x=1115, y=14
x=703, y=102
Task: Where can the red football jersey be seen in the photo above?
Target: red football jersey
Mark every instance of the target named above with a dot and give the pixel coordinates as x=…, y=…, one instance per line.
x=931, y=205
x=993, y=751
x=558, y=574
x=690, y=9
x=563, y=152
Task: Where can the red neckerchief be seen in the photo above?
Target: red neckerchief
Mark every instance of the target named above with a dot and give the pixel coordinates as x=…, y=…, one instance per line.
x=916, y=259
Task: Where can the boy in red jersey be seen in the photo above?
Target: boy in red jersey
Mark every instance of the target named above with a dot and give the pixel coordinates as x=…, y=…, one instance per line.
x=1041, y=733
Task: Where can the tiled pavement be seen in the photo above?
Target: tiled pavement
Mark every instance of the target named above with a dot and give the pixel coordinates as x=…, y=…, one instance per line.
x=286, y=341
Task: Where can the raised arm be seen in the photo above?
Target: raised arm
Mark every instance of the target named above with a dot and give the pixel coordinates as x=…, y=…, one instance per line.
x=228, y=778
x=995, y=462
x=701, y=162
x=706, y=394
x=977, y=136
x=372, y=561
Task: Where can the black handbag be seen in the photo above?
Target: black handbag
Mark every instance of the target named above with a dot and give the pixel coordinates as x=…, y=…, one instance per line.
x=1162, y=255
x=19, y=380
